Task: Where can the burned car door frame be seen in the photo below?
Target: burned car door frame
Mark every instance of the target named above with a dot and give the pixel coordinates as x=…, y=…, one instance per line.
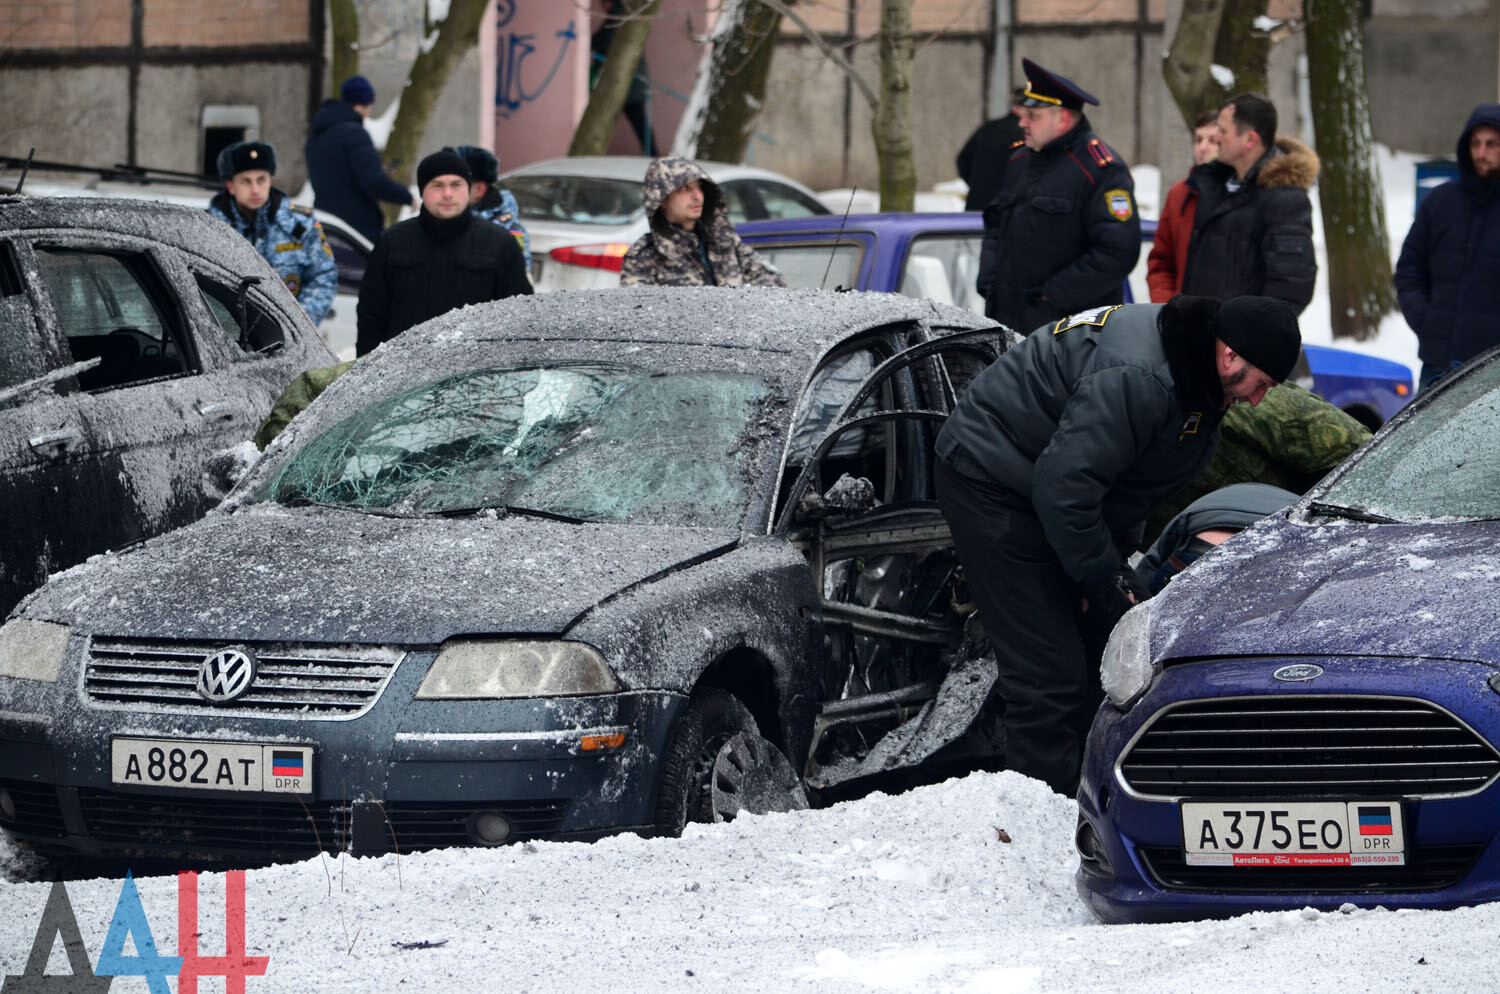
x=881, y=553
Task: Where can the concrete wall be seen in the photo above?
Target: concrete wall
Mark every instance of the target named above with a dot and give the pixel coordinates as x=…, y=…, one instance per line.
x=1429, y=64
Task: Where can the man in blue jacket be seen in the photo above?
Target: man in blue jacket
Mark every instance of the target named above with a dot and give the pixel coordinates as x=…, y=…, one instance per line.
x=345, y=171
x=286, y=235
x=1051, y=460
x=1448, y=275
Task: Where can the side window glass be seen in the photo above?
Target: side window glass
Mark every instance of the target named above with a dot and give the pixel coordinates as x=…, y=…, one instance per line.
x=944, y=269
x=780, y=200
x=807, y=266
x=113, y=308
x=739, y=202
x=348, y=257
x=244, y=321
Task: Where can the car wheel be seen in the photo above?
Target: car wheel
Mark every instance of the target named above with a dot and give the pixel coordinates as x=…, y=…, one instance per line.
x=751, y=774
x=712, y=717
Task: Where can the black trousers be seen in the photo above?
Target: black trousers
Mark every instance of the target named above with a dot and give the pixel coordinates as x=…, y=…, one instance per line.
x=1032, y=613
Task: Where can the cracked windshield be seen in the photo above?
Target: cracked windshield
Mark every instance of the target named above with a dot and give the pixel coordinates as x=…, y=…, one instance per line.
x=596, y=442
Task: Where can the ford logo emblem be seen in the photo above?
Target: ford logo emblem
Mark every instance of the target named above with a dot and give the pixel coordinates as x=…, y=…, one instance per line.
x=226, y=675
x=1298, y=672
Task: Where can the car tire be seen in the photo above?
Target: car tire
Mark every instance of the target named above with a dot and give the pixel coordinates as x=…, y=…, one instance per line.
x=684, y=794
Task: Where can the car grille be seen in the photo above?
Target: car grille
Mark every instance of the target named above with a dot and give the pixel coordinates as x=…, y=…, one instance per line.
x=37, y=812
x=292, y=681
x=419, y=826
x=1428, y=868
x=1308, y=745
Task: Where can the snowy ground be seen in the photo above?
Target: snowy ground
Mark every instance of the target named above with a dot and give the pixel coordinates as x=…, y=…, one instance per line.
x=912, y=893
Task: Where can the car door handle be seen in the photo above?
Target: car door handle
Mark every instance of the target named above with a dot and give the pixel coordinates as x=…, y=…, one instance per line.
x=54, y=443
x=224, y=412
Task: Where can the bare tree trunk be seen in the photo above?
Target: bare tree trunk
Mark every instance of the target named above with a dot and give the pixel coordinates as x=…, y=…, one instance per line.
x=1354, y=232
x=1215, y=33
x=457, y=36
x=591, y=137
x=731, y=87
x=892, y=122
x=343, y=29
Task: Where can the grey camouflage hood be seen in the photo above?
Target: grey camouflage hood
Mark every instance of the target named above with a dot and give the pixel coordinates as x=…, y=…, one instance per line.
x=672, y=173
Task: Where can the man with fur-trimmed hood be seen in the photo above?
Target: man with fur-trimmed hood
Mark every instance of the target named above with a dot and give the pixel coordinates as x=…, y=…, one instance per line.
x=1252, y=233
x=691, y=241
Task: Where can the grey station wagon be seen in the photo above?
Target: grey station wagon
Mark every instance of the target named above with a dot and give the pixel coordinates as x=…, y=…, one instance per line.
x=138, y=339
x=549, y=567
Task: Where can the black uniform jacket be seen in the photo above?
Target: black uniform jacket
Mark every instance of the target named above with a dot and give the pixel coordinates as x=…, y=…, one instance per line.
x=1257, y=240
x=421, y=268
x=1061, y=235
x=1090, y=424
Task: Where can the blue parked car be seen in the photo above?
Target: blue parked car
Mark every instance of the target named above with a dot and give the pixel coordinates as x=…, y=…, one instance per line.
x=1311, y=715
x=937, y=255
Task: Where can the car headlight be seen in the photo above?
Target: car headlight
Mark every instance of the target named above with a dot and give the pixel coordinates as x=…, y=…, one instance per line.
x=1126, y=669
x=507, y=668
x=32, y=650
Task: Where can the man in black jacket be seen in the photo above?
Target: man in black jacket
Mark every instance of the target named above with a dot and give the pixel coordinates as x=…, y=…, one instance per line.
x=981, y=162
x=441, y=259
x=1051, y=461
x=1252, y=232
x=343, y=166
x=1448, y=276
x=1062, y=234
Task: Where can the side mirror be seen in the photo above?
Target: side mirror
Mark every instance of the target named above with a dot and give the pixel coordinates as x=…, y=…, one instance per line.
x=226, y=468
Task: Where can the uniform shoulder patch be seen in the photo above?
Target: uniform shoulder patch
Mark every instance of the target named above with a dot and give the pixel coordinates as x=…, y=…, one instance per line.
x=1101, y=153
x=1095, y=316
x=1121, y=205
x=299, y=209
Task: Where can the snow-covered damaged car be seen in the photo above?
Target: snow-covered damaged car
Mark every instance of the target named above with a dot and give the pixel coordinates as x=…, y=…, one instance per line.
x=138, y=339
x=548, y=567
x=1310, y=715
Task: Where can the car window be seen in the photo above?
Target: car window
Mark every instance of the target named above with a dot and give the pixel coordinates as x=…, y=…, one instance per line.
x=244, y=321
x=815, y=265
x=111, y=307
x=592, y=441
x=577, y=199
x=944, y=268
x=741, y=202
x=779, y=200
x=349, y=257
x=1443, y=463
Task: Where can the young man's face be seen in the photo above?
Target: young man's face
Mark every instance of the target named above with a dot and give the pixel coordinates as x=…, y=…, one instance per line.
x=1205, y=143
x=1484, y=149
x=446, y=196
x=1237, y=148
x=684, y=205
x=1042, y=125
x=250, y=188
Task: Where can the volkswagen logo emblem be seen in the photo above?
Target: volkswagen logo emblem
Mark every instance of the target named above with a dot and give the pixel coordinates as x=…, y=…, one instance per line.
x=226, y=675
x=1298, y=673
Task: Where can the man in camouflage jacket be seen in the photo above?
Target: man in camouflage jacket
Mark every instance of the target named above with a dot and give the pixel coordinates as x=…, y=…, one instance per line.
x=691, y=241
x=489, y=200
x=285, y=234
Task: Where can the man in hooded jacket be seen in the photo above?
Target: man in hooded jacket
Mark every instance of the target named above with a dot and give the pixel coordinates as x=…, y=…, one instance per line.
x=691, y=241
x=347, y=178
x=1053, y=457
x=1448, y=275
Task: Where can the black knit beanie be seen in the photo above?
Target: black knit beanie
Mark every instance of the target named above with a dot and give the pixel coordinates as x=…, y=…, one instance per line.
x=1263, y=331
x=442, y=163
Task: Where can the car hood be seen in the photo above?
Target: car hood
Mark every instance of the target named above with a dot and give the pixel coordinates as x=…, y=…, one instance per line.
x=324, y=575
x=1288, y=588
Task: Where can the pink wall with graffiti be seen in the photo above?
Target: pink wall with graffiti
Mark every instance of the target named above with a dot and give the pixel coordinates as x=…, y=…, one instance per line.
x=540, y=73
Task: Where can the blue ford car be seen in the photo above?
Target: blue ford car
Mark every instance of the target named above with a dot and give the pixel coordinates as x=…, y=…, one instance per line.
x=1311, y=715
x=936, y=255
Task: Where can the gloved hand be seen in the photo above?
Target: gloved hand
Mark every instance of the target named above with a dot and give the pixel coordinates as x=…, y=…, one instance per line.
x=1107, y=604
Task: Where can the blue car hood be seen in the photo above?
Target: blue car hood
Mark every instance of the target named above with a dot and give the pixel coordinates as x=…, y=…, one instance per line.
x=314, y=574
x=1288, y=588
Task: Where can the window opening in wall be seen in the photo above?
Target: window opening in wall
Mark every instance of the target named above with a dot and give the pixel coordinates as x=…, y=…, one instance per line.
x=222, y=126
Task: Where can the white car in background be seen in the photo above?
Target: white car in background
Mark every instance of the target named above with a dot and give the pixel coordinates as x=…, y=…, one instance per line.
x=584, y=212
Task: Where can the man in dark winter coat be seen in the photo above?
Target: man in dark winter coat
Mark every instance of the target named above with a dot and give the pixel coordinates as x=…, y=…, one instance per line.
x=443, y=258
x=1062, y=234
x=981, y=162
x=1050, y=462
x=343, y=166
x=1252, y=232
x=1448, y=276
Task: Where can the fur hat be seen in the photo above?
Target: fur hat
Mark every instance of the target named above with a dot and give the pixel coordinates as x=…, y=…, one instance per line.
x=246, y=155
x=357, y=90
x=484, y=167
x=1263, y=331
x=444, y=162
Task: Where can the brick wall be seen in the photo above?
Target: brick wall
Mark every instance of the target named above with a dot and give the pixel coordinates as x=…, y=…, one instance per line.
x=47, y=24
x=173, y=23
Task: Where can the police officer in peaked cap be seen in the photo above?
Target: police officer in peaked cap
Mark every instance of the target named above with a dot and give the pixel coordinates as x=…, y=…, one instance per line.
x=1062, y=234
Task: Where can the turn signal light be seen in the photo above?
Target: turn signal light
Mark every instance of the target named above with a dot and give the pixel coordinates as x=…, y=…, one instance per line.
x=1402, y=389
x=606, y=255
x=598, y=743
